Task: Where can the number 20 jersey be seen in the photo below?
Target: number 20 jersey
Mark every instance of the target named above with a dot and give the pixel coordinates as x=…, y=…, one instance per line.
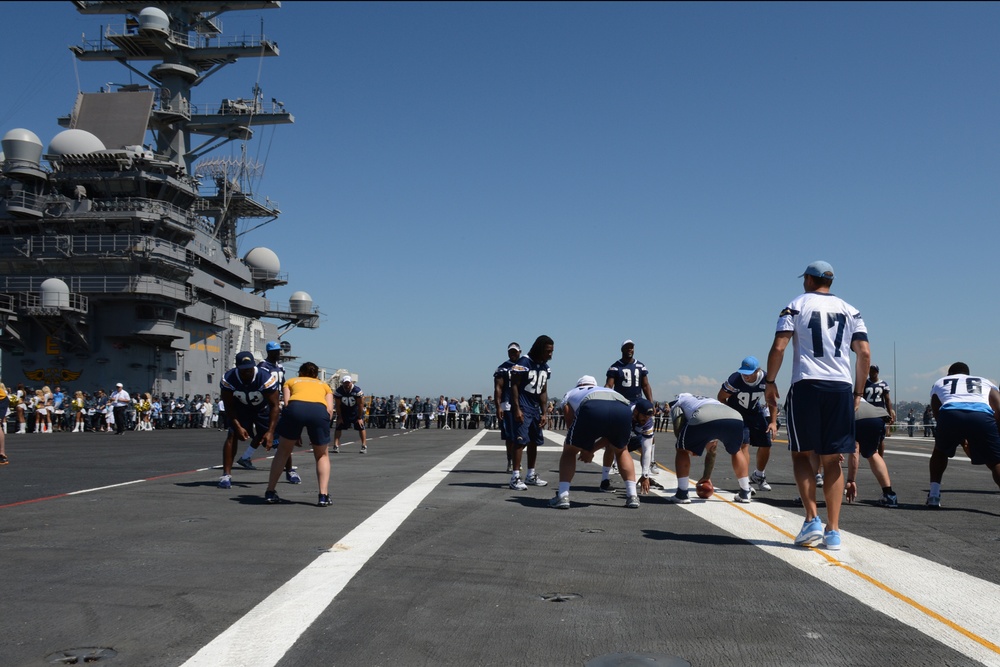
x=531, y=379
x=823, y=326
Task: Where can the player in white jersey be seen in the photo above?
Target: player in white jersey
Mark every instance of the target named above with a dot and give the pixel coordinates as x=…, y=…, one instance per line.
x=824, y=329
x=596, y=417
x=967, y=408
x=701, y=423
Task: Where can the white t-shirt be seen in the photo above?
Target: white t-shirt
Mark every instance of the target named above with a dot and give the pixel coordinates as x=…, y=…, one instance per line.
x=964, y=392
x=120, y=398
x=574, y=397
x=823, y=327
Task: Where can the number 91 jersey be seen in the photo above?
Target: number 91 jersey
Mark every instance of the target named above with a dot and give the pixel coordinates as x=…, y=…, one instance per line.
x=628, y=378
x=823, y=326
x=249, y=395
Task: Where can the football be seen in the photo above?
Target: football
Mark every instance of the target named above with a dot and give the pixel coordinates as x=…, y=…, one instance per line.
x=704, y=488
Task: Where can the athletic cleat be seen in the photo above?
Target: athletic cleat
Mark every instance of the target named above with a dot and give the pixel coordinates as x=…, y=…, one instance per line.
x=535, y=480
x=889, y=500
x=324, y=500
x=607, y=486
x=632, y=502
x=934, y=501
x=510, y=467
x=742, y=496
x=560, y=502
x=654, y=469
x=831, y=540
x=363, y=450
x=226, y=482
x=293, y=477
x=811, y=533
x=271, y=497
x=517, y=484
x=680, y=498
x=246, y=463
x=760, y=480
x=614, y=468
x=4, y=460
x=797, y=501
x=819, y=481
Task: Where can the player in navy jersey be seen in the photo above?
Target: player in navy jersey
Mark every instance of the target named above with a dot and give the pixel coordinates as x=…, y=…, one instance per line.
x=349, y=401
x=501, y=398
x=250, y=395
x=877, y=393
x=869, y=429
x=629, y=377
x=824, y=330
x=967, y=410
x=744, y=392
x=529, y=399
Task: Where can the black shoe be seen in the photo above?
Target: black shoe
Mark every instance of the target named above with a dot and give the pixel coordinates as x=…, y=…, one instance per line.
x=324, y=500
x=271, y=497
x=606, y=486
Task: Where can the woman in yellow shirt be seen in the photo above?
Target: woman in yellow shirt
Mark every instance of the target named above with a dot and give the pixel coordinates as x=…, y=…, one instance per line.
x=309, y=405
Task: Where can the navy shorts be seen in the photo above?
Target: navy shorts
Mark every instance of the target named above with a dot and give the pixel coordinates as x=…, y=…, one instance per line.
x=507, y=426
x=601, y=418
x=4, y=407
x=821, y=417
x=528, y=432
x=979, y=428
x=353, y=423
x=756, y=437
x=694, y=438
x=255, y=423
x=869, y=433
x=309, y=415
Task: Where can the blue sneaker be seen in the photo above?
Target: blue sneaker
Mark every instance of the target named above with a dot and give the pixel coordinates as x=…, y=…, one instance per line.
x=831, y=539
x=293, y=477
x=225, y=482
x=811, y=533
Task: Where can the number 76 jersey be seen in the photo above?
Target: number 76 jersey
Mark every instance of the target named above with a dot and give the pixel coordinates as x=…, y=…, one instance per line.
x=823, y=327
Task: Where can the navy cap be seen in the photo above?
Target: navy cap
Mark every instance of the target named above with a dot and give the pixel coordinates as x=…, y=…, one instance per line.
x=819, y=269
x=272, y=346
x=245, y=360
x=644, y=407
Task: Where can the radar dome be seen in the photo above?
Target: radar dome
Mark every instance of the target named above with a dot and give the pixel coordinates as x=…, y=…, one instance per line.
x=22, y=145
x=55, y=293
x=301, y=302
x=154, y=18
x=264, y=260
x=74, y=142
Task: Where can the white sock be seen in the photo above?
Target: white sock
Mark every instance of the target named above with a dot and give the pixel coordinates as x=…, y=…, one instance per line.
x=682, y=483
x=744, y=483
x=531, y=472
x=605, y=473
x=629, y=488
x=563, y=488
x=758, y=473
x=935, y=489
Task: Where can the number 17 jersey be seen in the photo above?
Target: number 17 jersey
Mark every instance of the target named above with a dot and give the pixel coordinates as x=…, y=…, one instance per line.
x=823, y=327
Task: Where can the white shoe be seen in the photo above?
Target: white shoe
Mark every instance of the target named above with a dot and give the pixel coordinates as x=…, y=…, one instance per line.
x=517, y=484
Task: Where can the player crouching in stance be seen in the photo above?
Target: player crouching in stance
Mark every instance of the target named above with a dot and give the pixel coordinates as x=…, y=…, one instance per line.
x=596, y=417
x=869, y=431
x=701, y=423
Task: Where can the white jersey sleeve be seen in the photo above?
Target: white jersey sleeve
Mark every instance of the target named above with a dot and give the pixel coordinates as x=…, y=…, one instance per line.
x=823, y=328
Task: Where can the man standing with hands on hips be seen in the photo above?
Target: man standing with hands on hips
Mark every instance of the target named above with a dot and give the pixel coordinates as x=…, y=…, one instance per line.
x=824, y=329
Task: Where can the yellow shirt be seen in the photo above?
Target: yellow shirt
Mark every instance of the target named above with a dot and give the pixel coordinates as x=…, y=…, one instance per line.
x=3, y=394
x=307, y=389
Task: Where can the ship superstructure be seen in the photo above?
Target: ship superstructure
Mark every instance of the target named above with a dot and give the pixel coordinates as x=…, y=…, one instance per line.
x=118, y=241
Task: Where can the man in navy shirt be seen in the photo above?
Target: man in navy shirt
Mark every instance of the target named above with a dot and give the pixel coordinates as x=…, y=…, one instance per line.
x=250, y=395
x=529, y=399
x=349, y=401
x=629, y=377
x=501, y=396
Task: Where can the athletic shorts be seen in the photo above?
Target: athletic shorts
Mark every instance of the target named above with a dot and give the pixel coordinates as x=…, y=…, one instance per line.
x=507, y=426
x=869, y=433
x=979, y=428
x=600, y=418
x=4, y=407
x=357, y=424
x=821, y=417
x=528, y=432
x=308, y=415
x=756, y=437
x=694, y=437
x=255, y=423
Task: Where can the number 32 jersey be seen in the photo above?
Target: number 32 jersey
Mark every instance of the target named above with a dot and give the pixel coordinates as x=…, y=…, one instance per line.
x=823, y=326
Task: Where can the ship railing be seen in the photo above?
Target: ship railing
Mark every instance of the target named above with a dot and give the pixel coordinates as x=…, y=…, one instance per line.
x=36, y=304
x=6, y=303
x=68, y=245
x=193, y=40
x=147, y=285
x=154, y=206
x=24, y=200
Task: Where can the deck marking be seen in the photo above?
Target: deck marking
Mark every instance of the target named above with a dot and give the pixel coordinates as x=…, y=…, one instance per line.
x=290, y=610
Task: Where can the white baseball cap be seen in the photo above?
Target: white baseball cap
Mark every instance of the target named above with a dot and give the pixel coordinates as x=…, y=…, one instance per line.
x=346, y=378
x=587, y=380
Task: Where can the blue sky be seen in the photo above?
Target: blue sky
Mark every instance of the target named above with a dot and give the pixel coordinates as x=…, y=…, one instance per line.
x=463, y=175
